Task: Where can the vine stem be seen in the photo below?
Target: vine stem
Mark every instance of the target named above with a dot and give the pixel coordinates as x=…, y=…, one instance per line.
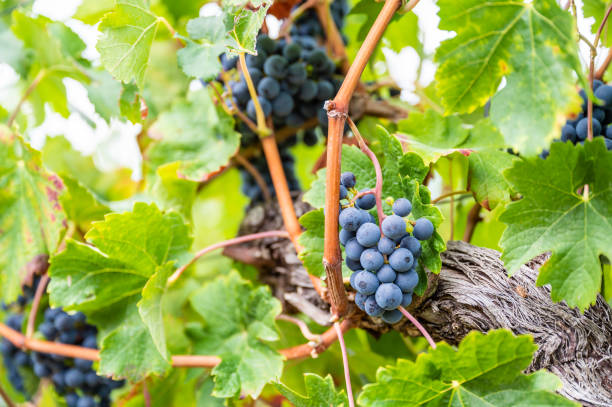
x=337, y=112
x=379, y=179
x=250, y=168
x=241, y=239
x=296, y=352
x=145, y=393
x=6, y=398
x=420, y=327
x=35, y=82
x=592, y=69
x=316, y=339
x=452, y=201
x=604, y=66
x=472, y=220
x=449, y=194
x=172, y=31
x=40, y=291
x=334, y=39
x=262, y=130
x=345, y=364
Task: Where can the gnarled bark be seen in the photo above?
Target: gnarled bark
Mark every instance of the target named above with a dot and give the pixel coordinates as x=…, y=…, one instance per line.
x=472, y=292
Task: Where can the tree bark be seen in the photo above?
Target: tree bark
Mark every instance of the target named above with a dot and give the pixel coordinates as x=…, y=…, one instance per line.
x=472, y=292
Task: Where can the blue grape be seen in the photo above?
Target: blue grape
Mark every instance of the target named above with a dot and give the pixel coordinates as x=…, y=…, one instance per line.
x=388, y=296
x=353, y=249
x=407, y=281
x=371, y=259
x=343, y=192
x=86, y=401
x=255, y=74
x=394, y=226
x=568, y=132
x=352, y=279
x=406, y=299
x=69, y=337
x=74, y=378
x=599, y=114
x=596, y=84
x=308, y=90
x=371, y=307
x=386, y=274
x=608, y=133
x=90, y=342
x=14, y=321
x=82, y=364
x=392, y=316
x=283, y=105
x=401, y=259
x=354, y=265
x=79, y=317
x=63, y=322
x=265, y=106
x=326, y=90
x=276, y=66
x=350, y=219
x=348, y=179
x=366, y=202
x=366, y=282
x=604, y=92
x=411, y=243
x=368, y=234
x=345, y=236
x=402, y=207
x=292, y=51
x=41, y=370
x=268, y=88
x=228, y=62
x=92, y=379
x=296, y=74
x=582, y=128
x=71, y=399
x=386, y=245
x=52, y=313
x=608, y=143
x=360, y=300
x=423, y=229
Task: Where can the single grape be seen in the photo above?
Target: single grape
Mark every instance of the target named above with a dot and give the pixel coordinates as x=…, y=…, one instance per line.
x=325, y=90
x=411, y=243
x=348, y=179
x=368, y=234
x=292, y=51
x=86, y=401
x=14, y=321
x=63, y=322
x=69, y=337
x=256, y=61
x=407, y=281
x=71, y=399
x=392, y=316
x=90, y=342
x=51, y=313
x=608, y=132
x=360, y=300
x=350, y=219
x=371, y=307
x=343, y=192
x=79, y=318
x=265, y=106
x=317, y=57
x=276, y=66
x=386, y=274
x=83, y=364
x=386, y=245
x=394, y=226
x=401, y=259
x=596, y=84
x=353, y=249
x=255, y=75
x=568, y=132
x=354, y=265
x=92, y=379
x=296, y=74
x=41, y=370
x=406, y=299
x=283, y=105
x=345, y=236
x=371, y=259
x=599, y=114
x=74, y=377
x=268, y=88
x=582, y=128
x=366, y=282
x=352, y=279
x=366, y=202
x=266, y=44
x=388, y=296
x=423, y=229
x=308, y=90
x=402, y=207
x=228, y=62
x=604, y=93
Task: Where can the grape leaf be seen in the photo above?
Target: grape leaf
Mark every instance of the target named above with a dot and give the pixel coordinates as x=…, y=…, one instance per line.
x=31, y=217
x=129, y=102
x=80, y=204
x=198, y=134
x=312, y=240
x=597, y=10
x=201, y=60
x=91, y=11
x=319, y=392
x=104, y=92
x=485, y=370
x=553, y=217
x=486, y=179
x=432, y=135
x=245, y=26
x=532, y=44
x=172, y=191
x=239, y=321
x=128, y=33
x=124, y=273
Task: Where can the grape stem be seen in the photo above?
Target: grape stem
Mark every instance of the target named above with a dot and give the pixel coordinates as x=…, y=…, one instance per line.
x=473, y=218
x=604, y=66
x=250, y=168
x=37, y=79
x=262, y=129
x=449, y=194
x=296, y=352
x=145, y=393
x=241, y=239
x=40, y=291
x=420, y=327
x=592, y=69
x=295, y=14
x=6, y=398
x=314, y=338
x=379, y=179
x=345, y=364
x=334, y=39
x=337, y=112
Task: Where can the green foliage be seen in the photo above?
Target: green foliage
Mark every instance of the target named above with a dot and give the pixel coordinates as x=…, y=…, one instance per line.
x=553, y=217
x=597, y=10
x=201, y=59
x=319, y=392
x=532, y=44
x=474, y=374
x=486, y=175
x=239, y=321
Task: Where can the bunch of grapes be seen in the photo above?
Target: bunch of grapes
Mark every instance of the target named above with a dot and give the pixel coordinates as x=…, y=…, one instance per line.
x=576, y=130
x=75, y=379
x=308, y=23
x=384, y=264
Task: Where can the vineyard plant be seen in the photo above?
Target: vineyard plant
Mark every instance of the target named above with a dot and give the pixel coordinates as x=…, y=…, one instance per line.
x=308, y=203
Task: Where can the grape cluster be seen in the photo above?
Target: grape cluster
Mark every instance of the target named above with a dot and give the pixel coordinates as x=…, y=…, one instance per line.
x=576, y=130
x=384, y=264
x=75, y=379
x=308, y=23
x=293, y=79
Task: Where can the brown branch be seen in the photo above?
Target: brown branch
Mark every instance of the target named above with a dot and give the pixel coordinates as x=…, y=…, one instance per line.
x=6, y=398
x=334, y=39
x=473, y=218
x=604, y=66
x=250, y=168
x=296, y=352
x=40, y=291
x=591, y=71
x=337, y=113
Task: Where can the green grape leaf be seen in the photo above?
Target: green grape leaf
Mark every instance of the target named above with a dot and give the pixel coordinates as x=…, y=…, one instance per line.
x=245, y=26
x=319, y=392
x=553, y=217
x=80, y=204
x=239, y=321
x=71, y=44
x=597, y=10
x=172, y=191
x=485, y=176
x=31, y=217
x=124, y=273
x=412, y=165
x=129, y=102
x=13, y=52
x=485, y=370
x=532, y=44
x=432, y=135
x=104, y=92
x=91, y=11
x=201, y=60
x=125, y=46
x=198, y=134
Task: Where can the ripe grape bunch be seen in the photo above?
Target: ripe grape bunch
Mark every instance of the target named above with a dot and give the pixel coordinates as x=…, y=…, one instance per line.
x=75, y=379
x=384, y=264
x=308, y=23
